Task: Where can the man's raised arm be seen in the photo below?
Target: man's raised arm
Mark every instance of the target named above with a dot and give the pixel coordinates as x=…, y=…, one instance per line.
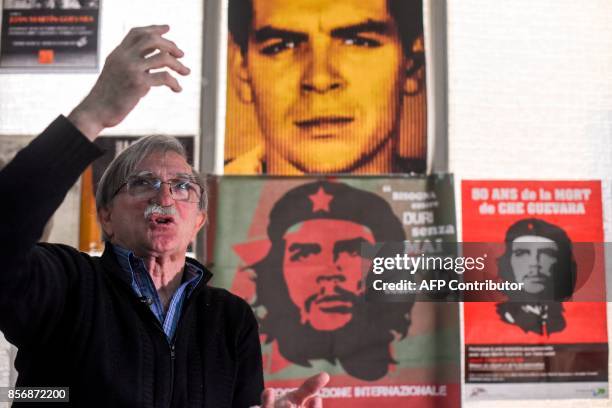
x=34, y=279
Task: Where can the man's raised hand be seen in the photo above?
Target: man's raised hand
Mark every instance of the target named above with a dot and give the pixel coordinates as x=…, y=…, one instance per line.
x=126, y=78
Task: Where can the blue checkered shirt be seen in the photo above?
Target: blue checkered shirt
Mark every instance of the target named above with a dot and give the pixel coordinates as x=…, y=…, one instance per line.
x=143, y=286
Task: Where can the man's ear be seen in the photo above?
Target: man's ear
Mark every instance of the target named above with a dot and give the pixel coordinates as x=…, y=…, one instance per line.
x=104, y=216
x=414, y=68
x=201, y=219
x=240, y=73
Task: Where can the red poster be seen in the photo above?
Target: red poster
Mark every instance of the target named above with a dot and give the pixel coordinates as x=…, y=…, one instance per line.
x=547, y=235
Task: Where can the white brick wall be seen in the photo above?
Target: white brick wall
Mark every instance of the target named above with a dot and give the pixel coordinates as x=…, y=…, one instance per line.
x=530, y=96
x=530, y=88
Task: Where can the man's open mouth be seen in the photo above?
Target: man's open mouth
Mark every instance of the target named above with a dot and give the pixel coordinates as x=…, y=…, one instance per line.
x=161, y=219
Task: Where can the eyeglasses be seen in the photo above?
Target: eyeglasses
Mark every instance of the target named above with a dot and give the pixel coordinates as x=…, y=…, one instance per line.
x=146, y=187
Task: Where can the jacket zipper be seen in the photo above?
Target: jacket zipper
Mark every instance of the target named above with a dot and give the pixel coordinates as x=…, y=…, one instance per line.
x=172, y=358
x=170, y=346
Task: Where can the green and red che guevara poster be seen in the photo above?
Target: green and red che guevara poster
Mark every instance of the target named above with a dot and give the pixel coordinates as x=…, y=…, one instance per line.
x=291, y=248
x=547, y=235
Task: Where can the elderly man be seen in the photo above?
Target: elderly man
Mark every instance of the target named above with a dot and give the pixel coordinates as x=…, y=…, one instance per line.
x=327, y=79
x=137, y=327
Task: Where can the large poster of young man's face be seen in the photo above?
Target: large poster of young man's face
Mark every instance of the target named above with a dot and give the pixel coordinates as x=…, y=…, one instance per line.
x=546, y=236
x=296, y=250
x=325, y=86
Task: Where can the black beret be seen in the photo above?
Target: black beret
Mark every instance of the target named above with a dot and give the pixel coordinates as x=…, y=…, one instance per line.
x=334, y=200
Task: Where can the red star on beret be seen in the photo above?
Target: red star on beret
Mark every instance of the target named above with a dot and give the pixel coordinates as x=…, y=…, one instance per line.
x=320, y=200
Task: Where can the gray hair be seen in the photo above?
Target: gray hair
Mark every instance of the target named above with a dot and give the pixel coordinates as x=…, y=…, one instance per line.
x=124, y=164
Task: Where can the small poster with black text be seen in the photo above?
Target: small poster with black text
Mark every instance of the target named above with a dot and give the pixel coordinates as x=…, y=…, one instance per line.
x=50, y=35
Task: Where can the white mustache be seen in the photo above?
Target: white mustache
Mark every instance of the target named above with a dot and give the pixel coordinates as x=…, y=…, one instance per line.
x=158, y=209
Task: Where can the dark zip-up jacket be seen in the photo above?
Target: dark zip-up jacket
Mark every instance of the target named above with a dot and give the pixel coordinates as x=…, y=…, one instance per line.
x=77, y=322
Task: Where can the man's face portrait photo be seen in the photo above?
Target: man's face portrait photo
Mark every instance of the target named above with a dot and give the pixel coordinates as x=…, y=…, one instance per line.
x=311, y=283
x=326, y=80
x=533, y=259
x=539, y=255
x=322, y=267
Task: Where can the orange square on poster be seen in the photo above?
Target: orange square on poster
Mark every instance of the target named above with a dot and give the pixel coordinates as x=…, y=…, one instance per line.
x=45, y=56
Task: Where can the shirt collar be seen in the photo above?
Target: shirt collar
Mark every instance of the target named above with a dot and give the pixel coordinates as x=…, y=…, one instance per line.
x=129, y=262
